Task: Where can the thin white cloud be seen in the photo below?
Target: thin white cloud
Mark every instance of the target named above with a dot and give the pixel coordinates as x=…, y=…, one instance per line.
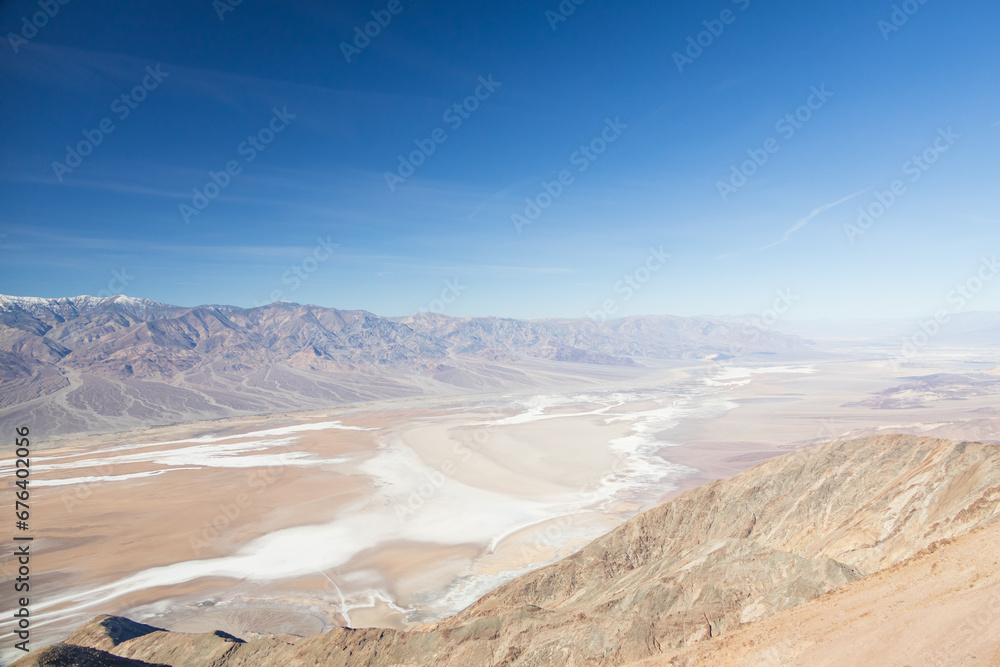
x=456, y=269
x=34, y=236
x=513, y=187
x=796, y=227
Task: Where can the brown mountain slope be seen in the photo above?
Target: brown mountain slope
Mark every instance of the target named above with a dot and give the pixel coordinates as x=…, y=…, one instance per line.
x=696, y=568
x=941, y=607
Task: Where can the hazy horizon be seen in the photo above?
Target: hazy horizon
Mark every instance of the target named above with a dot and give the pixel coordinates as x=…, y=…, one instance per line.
x=787, y=321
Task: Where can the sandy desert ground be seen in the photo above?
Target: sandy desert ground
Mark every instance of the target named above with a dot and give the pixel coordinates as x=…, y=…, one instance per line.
x=400, y=512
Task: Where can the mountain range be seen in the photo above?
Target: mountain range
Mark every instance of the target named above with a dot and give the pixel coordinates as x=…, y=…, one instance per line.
x=89, y=365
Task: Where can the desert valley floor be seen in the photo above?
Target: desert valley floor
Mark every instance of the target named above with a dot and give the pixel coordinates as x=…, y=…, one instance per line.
x=398, y=512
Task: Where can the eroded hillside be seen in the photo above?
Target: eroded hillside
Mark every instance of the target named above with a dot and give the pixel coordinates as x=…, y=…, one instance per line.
x=681, y=576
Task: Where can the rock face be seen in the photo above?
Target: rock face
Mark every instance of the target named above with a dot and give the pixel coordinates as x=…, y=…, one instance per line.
x=65, y=655
x=670, y=580
x=89, y=365
x=941, y=607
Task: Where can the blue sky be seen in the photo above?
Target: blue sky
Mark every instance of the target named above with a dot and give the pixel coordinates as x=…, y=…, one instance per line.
x=115, y=222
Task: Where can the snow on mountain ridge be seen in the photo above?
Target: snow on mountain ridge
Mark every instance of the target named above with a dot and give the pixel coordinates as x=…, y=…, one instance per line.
x=8, y=302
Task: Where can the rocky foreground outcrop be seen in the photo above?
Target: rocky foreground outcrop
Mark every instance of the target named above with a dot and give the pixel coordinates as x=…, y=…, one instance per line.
x=686, y=574
x=940, y=608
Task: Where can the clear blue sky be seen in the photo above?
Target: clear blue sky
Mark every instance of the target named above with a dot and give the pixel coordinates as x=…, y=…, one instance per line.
x=656, y=185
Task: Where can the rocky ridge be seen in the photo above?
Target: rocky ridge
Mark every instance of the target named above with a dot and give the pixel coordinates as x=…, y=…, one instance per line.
x=683, y=575
x=91, y=365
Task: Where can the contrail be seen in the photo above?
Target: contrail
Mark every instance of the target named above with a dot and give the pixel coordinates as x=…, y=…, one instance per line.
x=796, y=227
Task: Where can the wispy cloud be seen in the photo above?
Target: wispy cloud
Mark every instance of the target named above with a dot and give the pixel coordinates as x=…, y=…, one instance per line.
x=799, y=224
x=34, y=236
x=458, y=269
x=497, y=196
